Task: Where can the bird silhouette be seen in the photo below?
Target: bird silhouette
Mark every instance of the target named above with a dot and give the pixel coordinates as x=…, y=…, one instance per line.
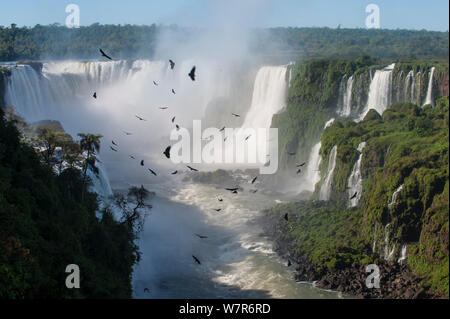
x=299, y=171
x=201, y=236
x=247, y=137
x=132, y=157
x=140, y=118
x=354, y=195
x=253, y=191
x=232, y=189
x=94, y=95
x=127, y=133
x=173, y=119
x=163, y=108
x=113, y=149
x=254, y=179
x=175, y=173
x=196, y=260
x=192, y=74
x=286, y=217
x=172, y=64
x=220, y=200
x=142, y=163
x=192, y=169
x=114, y=143
x=235, y=115
x=152, y=171
x=173, y=91
x=217, y=209
x=222, y=129
x=156, y=84
x=105, y=55
x=167, y=151
x=302, y=164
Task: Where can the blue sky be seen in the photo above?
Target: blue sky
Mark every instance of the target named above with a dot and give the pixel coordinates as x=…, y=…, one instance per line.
x=402, y=14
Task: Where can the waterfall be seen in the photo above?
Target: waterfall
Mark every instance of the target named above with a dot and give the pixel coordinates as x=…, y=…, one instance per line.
x=312, y=175
x=388, y=249
x=410, y=85
x=325, y=191
x=429, y=97
x=402, y=255
x=328, y=123
x=100, y=182
x=354, y=182
x=394, y=197
x=269, y=95
x=345, y=97
x=380, y=91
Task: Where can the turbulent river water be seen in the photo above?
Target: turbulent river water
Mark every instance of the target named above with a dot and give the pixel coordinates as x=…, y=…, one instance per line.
x=237, y=260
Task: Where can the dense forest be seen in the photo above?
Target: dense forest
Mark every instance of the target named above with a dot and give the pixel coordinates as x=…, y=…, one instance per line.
x=130, y=41
x=49, y=218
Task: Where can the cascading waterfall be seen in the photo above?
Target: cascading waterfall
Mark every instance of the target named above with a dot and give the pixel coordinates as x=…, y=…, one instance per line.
x=354, y=182
x=325, y=191
x=388, y=248
x=380, y=91
x=312, y=175
x=345, y=96
x=402, y=257
x=410, y=87
x=429, y=96
x=269, y=96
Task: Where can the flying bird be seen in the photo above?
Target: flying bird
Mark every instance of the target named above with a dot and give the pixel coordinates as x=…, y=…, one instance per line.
x=140, y=118
x=175, y=173
x=127, y=133
x=95, y=95
x=232, y=189
x=247, y=137
x=299, y=171
x=222, y=129
x=192, y=169
x=114, y=143
x=142, y=163
x=192, y=74
x=113, y=149
x=173, y=91
x=105, y=55
x=220, y=200
x=254, y=180
x=172, y=64
x=132, y=157
x=196, y=260
x=152, y=171
x=235, y=115
x=253, y=191
x=286, y=217
x=302, y=164
x=173, y=119
x=218, y=209
x=201, y=236
x=178, y=127
x=163, y=108
x=156, y=84
x=354, y=195
x=167, y=151
x=234, y=192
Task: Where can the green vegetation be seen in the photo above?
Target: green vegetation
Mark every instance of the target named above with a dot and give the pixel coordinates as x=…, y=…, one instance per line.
x=407, y=146
x=130, y=41
x=46, y=224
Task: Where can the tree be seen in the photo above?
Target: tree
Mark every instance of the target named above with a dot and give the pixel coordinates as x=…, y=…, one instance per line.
x=134, y=216
x=89, y=143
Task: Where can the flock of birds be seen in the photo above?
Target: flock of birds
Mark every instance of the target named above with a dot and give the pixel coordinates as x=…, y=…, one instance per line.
x=234, y=190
